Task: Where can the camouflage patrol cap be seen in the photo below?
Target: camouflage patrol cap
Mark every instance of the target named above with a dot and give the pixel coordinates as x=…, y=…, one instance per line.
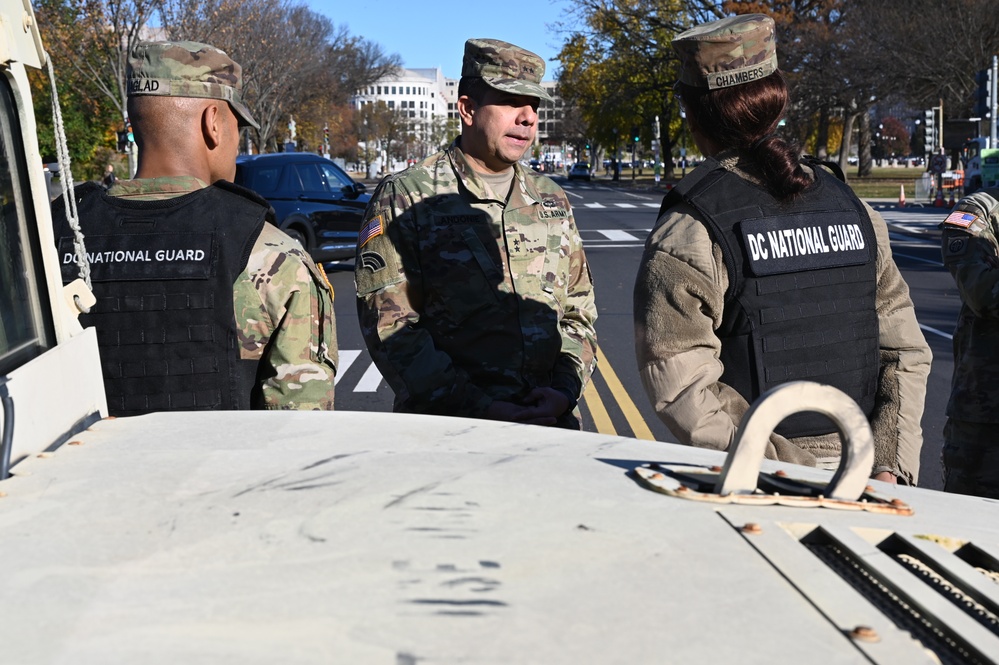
x=505, y=67
x=728, y=52
x=187, y=69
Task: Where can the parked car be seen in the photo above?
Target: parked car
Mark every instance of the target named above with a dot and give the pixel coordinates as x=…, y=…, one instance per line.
x=316, y=202
x=579, y=170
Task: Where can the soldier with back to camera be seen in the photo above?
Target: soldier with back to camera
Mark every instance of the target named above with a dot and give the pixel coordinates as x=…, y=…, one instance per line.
x=764, y=269
x=201, y=304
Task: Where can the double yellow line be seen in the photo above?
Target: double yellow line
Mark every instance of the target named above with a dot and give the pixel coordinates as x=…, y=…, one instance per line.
x=598, y=412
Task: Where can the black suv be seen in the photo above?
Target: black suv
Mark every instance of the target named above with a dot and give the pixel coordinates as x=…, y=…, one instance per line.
x=316, y=202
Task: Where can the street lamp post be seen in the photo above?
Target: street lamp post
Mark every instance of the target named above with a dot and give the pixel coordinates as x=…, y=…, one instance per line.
x=683, y=149
x=366, y=165
x=657, y=151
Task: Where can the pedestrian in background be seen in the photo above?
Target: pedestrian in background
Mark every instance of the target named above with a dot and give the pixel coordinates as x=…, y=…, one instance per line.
x=971, y=253
x=109, y=178
x=762, y=269
x=201, y=304
x=474, y=295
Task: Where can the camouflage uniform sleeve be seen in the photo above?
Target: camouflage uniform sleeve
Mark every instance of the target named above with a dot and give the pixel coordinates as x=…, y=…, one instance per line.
x=284, y=308
x=577, y=360
x=971, y=252
x=389, y=288
x=905, y=367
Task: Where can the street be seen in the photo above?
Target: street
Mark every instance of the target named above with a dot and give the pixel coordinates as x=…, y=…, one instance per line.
x=614, y=223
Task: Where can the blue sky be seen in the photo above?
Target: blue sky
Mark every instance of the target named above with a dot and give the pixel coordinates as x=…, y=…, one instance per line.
x=432, y=33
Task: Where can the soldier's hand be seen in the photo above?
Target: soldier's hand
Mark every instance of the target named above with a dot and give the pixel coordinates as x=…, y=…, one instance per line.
x=508, y=411
x=544, y=406
x=886, y=476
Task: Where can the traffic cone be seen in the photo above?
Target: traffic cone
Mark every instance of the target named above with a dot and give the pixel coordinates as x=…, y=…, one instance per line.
x=901, y=196
x=952, y=198
x=939, y=201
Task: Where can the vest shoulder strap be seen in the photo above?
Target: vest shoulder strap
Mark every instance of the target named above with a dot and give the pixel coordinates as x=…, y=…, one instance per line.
x=708, y=167
x=246, y=193
x=817, y=164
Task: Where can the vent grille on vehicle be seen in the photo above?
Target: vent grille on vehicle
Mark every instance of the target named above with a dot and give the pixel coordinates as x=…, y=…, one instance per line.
x=896, y=597
x=895, y=608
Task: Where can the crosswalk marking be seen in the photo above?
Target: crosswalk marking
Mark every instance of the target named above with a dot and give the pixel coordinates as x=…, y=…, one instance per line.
x=594, y=205
x=618, y=236
x=625, y=205
x=370, y=381
x=347, y=359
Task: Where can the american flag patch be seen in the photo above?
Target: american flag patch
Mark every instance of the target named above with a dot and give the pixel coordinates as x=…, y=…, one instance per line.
x=962, y=219
x=372, y=229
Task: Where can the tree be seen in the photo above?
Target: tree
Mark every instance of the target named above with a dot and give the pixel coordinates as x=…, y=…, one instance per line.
x=94, y=38
x=89, y=120
x=892, y=138
x=618, y=67
x=383, y=128
x=291, y=56
x=848, y=55
x=442, y=132
x=921, y=63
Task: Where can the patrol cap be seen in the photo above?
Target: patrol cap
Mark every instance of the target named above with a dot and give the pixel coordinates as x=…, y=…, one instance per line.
x=505, y=67
x=187, y=69
x=728, y=52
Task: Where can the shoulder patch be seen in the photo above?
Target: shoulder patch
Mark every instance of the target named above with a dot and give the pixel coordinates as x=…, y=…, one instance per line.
x=956, y=246
x=372, y=229
x=961, y=219
x=373, y=261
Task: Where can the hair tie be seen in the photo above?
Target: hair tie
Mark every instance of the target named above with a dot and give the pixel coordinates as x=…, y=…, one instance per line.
x=755, y=145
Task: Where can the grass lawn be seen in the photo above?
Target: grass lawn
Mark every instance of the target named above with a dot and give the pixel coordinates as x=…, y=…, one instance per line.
x=882, y=183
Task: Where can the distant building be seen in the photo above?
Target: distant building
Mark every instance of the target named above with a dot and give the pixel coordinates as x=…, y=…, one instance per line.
x=550, y=114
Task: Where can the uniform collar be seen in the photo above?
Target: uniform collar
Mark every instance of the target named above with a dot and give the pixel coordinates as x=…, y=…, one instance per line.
x=478, y=187
x=176, y=185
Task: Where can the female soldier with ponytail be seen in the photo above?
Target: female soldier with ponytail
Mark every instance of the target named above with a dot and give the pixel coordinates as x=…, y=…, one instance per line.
x=764, y=268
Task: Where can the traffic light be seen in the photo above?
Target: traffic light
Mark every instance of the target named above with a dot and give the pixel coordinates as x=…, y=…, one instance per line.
x=929, y=129
x=983, y=95
x=634, y=134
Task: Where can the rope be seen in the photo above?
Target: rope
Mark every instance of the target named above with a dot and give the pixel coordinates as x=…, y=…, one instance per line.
x=66, y=179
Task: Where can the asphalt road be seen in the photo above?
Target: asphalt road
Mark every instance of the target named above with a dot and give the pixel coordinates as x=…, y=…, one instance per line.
x=614, y=222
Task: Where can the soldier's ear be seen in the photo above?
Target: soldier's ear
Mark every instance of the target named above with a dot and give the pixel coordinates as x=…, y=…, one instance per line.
x=466, y=109
x=211, y=125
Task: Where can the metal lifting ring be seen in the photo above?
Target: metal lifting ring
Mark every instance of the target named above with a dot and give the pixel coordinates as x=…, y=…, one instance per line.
x=742, y=466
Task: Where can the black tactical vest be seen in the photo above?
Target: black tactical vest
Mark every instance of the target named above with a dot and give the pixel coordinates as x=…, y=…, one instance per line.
x=802, y=282
x=163, y=273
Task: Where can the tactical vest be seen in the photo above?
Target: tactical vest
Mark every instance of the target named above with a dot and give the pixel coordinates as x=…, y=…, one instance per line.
x=163, y=273
x=800, y=304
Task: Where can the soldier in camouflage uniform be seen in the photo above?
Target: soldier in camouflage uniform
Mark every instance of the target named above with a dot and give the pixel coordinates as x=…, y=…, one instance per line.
x=474, y=294
x=202, y=304
x=971, y=252
x=764, y=269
